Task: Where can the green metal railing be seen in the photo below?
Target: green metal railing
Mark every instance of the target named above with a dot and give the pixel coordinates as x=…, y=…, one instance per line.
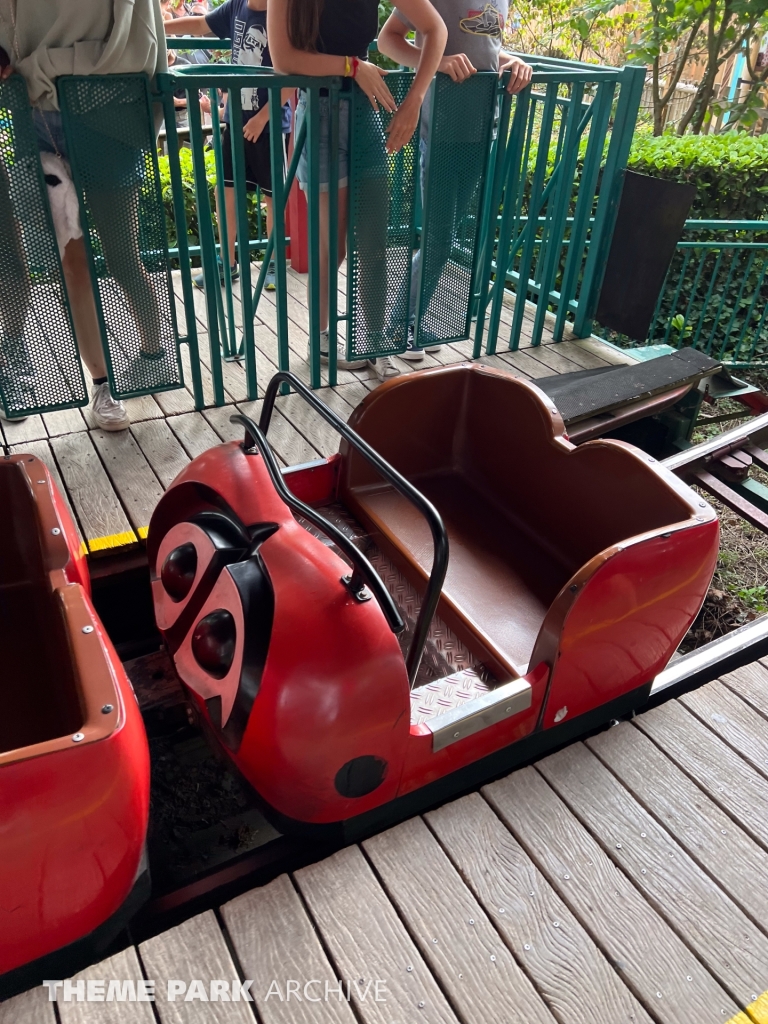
x=715, y=295
x=556, y=186
x=531, y=218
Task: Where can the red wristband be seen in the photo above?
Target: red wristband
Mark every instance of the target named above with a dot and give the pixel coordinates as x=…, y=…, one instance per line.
x=355, y=66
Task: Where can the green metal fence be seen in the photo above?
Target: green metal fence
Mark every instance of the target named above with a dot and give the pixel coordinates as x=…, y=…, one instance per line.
x=556, y=186
x=528, y=210
x=715, y=296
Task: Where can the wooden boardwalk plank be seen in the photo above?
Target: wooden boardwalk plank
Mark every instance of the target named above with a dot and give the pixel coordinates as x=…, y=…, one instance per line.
x=553, y=359
x=288, y=444
x=135, y=483
x=751, y=684
x=101, y=516
x=64, y=421
x=554, y=950
x=32, y=1007
x=727, y=853
x=161, y=449
x=733, y=720
x=718, y=770
x=276, y=943
x=195, y=433
x=17, y=432
x=320, y=434
x=368, y=942
x=526, y=364
x=608, y=905
x=720, y=934
x=123, y=967
x=218, y=418
x=193, y=950
x=42, y=450
x=476, y=970
x=585, y=356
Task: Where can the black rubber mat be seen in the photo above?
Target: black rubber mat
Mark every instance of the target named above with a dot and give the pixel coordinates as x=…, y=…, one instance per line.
x=590, y=392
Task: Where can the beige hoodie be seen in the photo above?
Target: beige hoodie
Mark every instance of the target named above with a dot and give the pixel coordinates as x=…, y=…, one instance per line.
x=80, y=37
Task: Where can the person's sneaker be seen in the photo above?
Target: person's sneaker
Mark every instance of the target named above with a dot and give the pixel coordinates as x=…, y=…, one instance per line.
x=109, y=414
x=384, y=368
x=198, y=280
x=270, y=284
x=342, y=363
x=413, y=354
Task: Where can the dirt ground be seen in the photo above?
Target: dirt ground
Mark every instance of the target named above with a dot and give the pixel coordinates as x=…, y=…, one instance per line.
x=739, y=590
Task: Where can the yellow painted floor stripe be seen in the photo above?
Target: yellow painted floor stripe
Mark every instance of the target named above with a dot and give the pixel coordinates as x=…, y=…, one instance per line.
x=755, y=1013
x=142, y=532
x=114, y=540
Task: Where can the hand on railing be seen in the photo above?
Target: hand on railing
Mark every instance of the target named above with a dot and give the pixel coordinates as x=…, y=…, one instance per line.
x=520, y=73
x=458, y=66
x=371, y=80
x=402, y=126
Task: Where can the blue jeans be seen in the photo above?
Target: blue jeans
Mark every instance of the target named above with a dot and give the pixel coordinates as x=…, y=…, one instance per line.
x=302, y=171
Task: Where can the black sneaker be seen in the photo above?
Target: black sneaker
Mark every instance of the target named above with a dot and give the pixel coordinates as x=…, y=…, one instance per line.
x=199, y=279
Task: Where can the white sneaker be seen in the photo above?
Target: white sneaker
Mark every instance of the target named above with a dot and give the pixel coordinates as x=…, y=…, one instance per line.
x=342, y=363
x=109, y=414
x=384, y=367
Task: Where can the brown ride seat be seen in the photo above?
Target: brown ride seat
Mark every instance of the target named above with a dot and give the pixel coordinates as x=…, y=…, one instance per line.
x=38, y=691
x=524, y=509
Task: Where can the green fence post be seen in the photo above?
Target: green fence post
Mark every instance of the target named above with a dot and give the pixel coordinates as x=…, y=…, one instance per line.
x=278, y=228
x=207, y=240
x=333, y=236
x=555, y=231
x=243, y=240
x=313, y=232
x=167, y=86
x=632, y=80
x=512, y=190
x=229, y=345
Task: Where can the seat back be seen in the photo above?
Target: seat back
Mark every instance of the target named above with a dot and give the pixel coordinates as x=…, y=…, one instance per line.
x=524, y=509
x=38, y=692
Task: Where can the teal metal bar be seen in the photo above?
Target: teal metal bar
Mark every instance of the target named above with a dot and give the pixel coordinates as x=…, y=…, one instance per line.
x=229, y=344
x=207, y=241
x=511, y=191
x=600, y=110
x=180, y=218
x=279, y=194
x=702, y=314
x=243, y=243
x=534, y=205
x=333, y=237
x=560, y=202
x=488, y=238
x=632, y=81
x=313, y=233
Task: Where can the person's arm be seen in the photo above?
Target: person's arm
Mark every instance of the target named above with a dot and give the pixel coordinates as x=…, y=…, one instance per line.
x=189, y=26
x=253, y=128
x=394, y=44
x=520, y=72
x=431, y=27
x=290, y=61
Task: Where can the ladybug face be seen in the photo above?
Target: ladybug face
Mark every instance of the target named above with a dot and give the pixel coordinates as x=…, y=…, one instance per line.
x=214, y=603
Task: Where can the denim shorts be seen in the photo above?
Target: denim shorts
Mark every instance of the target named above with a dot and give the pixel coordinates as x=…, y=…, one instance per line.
x=50, y=134
x=114, y=165
x=302, y=171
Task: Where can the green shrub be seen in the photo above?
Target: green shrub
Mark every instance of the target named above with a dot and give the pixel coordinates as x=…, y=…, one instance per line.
x=730, y=171
x=256, y=221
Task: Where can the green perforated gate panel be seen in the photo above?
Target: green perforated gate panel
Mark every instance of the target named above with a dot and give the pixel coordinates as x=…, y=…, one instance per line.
x=381, y=206
x=461, y=128
x=39, y=363
x=111, y=139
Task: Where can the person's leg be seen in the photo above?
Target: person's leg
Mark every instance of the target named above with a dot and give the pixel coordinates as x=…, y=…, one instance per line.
x=108, y=413
x=116, y=218
x=83, y=307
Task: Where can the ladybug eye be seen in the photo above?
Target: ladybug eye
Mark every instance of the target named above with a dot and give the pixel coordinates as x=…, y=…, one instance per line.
x=213, y=642
x=178, y=572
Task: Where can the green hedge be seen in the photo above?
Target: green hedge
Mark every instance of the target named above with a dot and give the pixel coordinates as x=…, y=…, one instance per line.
x=256, y=221
x=730, y=171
